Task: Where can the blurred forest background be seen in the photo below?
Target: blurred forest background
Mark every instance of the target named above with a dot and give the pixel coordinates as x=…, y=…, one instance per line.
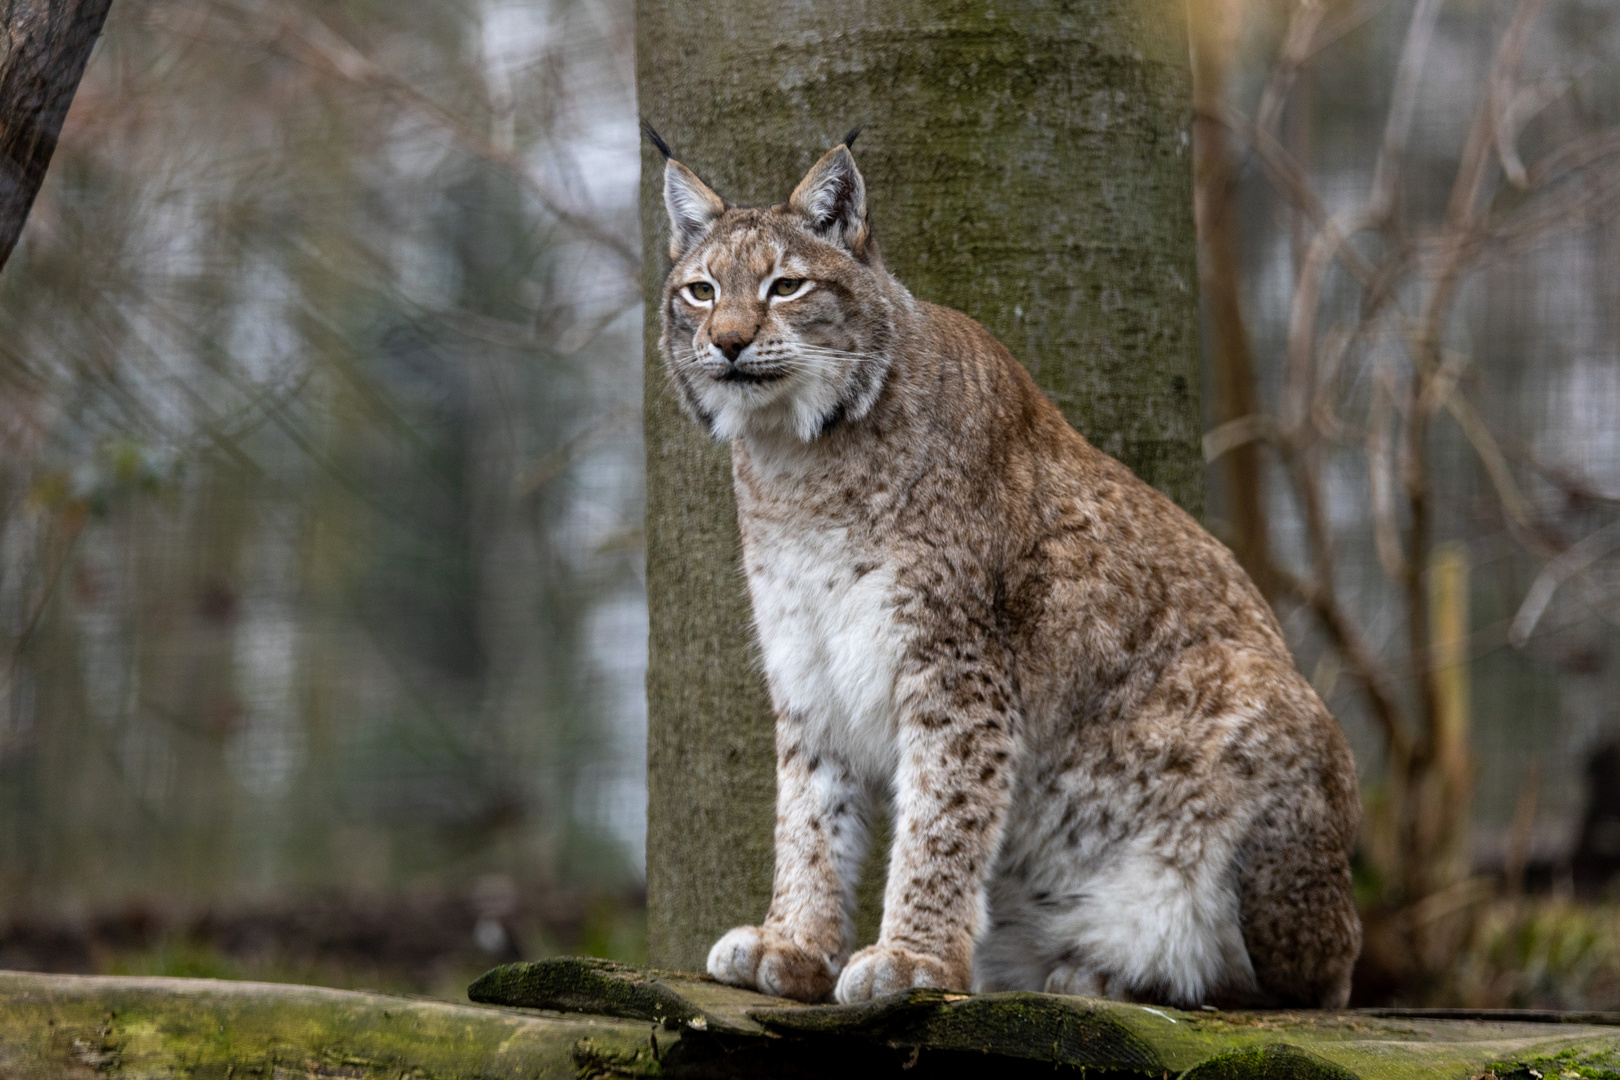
x=322, y=628
x=321, y=586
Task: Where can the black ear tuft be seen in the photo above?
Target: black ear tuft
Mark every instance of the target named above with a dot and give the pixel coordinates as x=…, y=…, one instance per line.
x=656, y=139
x=854, y=133
x=832, y=198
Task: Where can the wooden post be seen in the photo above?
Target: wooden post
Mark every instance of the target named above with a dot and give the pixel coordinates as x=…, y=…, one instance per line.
x=1448, y=640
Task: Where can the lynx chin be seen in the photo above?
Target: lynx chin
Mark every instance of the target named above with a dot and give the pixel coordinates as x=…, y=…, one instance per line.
x=1106, y=775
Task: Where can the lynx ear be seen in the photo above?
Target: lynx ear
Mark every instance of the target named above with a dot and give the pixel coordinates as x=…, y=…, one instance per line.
x=832, y=196
x=692, y=207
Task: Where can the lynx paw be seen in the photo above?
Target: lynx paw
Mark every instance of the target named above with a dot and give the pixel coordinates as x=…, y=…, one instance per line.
x=763, y=959
x=888, y=969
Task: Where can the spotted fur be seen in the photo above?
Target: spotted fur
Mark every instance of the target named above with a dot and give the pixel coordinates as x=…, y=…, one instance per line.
x=1106, y=775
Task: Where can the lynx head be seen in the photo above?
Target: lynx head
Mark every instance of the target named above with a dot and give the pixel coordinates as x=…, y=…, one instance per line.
x=777, y=318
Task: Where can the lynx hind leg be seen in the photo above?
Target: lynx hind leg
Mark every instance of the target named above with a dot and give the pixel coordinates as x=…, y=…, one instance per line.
x=1131, y=927
x=1077, y=979
x=1299, y=917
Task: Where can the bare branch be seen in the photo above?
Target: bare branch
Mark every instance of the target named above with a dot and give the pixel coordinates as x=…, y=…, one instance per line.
x=1518, y=108
x=1471, y=171
x=1290, y=179
x=1347, y=20
x=1296, y=49
x=1496, y=467
x=1298, y=376
x=554, y=464
x=1335, y=345
x=1574, y=156
x=330, y=50
x=1360, y=658
x=1380, y=473
x=1402, y=107
x=1235, y=433
x=1555, y=573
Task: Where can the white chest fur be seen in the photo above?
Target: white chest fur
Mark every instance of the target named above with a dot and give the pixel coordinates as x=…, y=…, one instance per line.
x=831, y=644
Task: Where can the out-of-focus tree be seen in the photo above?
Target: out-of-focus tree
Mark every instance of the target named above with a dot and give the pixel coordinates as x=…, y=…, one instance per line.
x=1370, y=401
x=319, y=495
x=43, y=50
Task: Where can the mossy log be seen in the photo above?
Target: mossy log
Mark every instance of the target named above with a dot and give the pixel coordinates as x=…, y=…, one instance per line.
x=932, y=1034
x=78, y=1026
x=587, y=1018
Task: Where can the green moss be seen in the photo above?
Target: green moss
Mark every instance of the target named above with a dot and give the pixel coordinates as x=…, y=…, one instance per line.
x=1038, y=1027
x=1278, y=1061
x=583, y=985
x=1590, y=1064
x=942, y=1032
x=148, y=1027
x=594, y=1058
x=671, y=999
x=53, y=1026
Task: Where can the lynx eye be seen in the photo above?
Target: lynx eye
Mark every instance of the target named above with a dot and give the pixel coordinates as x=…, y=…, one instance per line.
x=786, y=286
x=701, y=290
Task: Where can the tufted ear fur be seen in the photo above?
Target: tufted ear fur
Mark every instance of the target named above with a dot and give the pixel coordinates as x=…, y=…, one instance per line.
x=692, y=207
x=832, y=196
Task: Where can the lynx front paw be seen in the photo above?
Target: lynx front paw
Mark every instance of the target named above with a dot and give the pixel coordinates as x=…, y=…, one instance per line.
x=888, y=969
x=762, y=959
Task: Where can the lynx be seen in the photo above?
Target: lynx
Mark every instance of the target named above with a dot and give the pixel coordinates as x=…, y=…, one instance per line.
x=1105, y=774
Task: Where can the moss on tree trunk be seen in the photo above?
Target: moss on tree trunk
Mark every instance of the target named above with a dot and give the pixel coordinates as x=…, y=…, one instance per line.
x=1029, y=165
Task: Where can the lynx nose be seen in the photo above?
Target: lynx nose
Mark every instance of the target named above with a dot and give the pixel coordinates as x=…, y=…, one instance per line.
x=732, y=343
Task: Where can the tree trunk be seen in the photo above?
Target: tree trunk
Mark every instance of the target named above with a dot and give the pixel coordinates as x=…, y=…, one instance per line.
x=1033, y=172
x=43, y=49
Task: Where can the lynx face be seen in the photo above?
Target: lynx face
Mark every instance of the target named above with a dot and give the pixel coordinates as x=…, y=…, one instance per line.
x=775, y=318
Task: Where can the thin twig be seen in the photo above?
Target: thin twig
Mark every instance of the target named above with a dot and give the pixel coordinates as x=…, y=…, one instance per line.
x=1380, y=473
x=1577, y=558
x=1222, y=440
x=1402, y=108
x=337, y=55
x=1297, y=48
x=1290, y=179
x=1362, y=661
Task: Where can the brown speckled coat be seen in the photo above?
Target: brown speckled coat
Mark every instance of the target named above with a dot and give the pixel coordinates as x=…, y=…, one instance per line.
x=1106, y=775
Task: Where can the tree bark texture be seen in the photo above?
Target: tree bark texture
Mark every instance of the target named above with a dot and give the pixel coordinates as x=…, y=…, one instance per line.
x=1028, y=165
x=44, y=45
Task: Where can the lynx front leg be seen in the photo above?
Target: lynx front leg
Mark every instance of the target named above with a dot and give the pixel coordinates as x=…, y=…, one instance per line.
x=820, y=841
x=954, y=785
